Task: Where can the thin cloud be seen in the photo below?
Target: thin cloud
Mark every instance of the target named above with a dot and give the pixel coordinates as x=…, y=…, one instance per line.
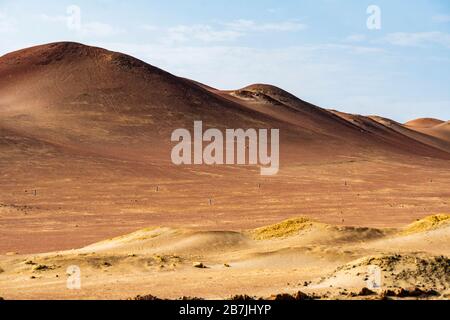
x=418, y=39
x=91, y=28
x=227, y=31
x=206, y=33
x=99, y=29
x=57, y=18
x=252, y=26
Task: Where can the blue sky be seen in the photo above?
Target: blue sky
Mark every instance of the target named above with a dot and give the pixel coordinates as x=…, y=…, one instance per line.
x=320, y=50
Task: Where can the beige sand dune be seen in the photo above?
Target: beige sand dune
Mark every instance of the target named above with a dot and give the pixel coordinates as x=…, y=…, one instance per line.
x=431, y=127
x=424, y=123
x=85, y=156
x=295, y=255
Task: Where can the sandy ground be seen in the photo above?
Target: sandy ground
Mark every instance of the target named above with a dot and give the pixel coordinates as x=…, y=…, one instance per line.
x=318, y=259
x=70, y=211
x=85, y=156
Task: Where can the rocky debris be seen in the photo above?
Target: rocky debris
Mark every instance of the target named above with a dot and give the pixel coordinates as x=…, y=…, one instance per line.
x=366, y=292
x=406, y=293
x=242, y=297
x=150, y=297
x=25, y=209
x=187, y=298
x=199, y=265
x=43, y=267
x=147, y=297
x=292, y=297
x=404, y=270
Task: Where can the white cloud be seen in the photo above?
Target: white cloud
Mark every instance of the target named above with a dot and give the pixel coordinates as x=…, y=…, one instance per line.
x=442, y=18
x=308, y=69
x=354, y=49
x=250, y=25
x=58, y=18
x=201, y=32
x=418, y=38
x=228, y=31
x=99, y=29
x=91, y=28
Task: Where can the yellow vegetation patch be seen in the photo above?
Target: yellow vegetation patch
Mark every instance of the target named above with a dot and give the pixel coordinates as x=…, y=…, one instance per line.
x=282, y=229
x=427, y=223
x=142, y=234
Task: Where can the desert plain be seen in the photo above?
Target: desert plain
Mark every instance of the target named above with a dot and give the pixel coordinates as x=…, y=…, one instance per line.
x=87, y=181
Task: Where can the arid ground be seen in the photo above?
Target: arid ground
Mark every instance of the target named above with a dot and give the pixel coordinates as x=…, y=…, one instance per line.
x=85, y=156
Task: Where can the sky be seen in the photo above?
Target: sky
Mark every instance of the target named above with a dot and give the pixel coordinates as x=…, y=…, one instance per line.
x=384, y=57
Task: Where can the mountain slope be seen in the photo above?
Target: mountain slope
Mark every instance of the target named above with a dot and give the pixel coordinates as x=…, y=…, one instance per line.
x=431, y=127
x=85, y=155
x=115, y=105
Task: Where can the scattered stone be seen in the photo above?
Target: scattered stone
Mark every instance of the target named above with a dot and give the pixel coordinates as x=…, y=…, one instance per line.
x=42, y=267
x=187, y=298
x=406, y=293
x=282, y=296
x=242, y=297
x=199, y=265
x=291, y=297
x=366, y=292
x=302, y=296
x=147, y=297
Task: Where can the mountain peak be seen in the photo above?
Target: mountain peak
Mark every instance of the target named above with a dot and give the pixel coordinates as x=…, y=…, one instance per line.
x=424, y=122
x=52, y=52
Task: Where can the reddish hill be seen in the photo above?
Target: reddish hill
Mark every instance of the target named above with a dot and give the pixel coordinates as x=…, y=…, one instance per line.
x=89, y=130
x=432, y=127
x=88, y=98
x=423, y=123
x=416, y=134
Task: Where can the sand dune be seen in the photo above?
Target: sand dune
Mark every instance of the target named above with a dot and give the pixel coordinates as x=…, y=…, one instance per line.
x=415, y=133
x=424, y=123
x=441, y=131
x=429, y=274
x=89, y=131
x=431, y=127
x=85, y=156
x=320, y=260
